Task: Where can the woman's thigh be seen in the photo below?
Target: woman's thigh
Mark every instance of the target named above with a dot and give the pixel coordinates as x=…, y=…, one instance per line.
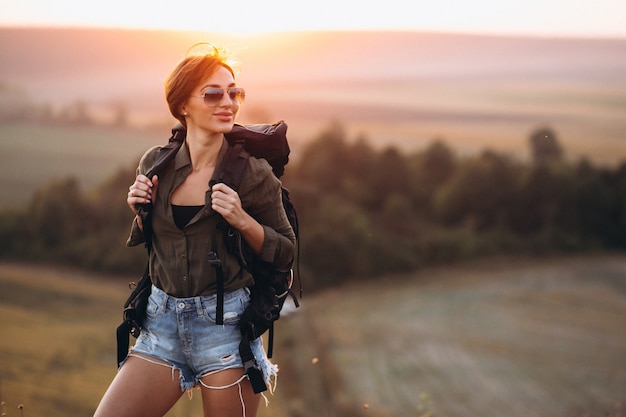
x=228, y=394
x=140, y=389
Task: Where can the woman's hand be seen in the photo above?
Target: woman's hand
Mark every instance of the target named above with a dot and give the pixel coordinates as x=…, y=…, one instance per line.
x=225, y=201
x=143, y=191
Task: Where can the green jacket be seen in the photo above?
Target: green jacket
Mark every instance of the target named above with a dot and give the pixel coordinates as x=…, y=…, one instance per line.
x=179, y=258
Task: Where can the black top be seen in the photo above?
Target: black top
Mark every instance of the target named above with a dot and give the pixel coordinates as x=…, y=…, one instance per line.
x=183, y=214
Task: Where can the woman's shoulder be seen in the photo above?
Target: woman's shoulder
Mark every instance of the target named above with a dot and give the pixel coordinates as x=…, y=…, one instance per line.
x=259, y=170
x=258, y=182
x=259, y=164
x=147, y=160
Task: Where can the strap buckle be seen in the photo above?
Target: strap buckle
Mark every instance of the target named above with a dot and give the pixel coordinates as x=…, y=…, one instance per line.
x=255, y=376
x=214, y=260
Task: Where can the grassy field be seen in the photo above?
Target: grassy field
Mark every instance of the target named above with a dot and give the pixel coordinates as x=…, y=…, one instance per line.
x=33, y=155
x=500, y=338
x=515, y=338
x=57, y=340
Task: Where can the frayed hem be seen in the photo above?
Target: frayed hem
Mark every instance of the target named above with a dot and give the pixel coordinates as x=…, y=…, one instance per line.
x=270, y=372
x=270, y=375
x=184, y=385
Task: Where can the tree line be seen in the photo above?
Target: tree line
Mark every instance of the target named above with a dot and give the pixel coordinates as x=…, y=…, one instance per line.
x=365, y=212
x=17, y=106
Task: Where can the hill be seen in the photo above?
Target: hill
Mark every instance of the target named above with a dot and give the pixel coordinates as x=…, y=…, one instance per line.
x=522, y=338
x=400, y=88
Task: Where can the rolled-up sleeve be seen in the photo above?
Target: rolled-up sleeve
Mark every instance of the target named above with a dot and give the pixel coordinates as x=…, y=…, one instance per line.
x=261, y=194
x=277, y=249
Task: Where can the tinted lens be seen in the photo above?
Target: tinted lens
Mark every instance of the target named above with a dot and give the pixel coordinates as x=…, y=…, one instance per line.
x=213, y=95
x=237, y=94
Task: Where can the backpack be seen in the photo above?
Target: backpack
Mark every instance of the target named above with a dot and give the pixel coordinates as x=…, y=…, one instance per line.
x=271, y=286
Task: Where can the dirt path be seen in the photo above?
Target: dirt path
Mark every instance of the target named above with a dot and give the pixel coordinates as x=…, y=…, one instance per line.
x=517, y=338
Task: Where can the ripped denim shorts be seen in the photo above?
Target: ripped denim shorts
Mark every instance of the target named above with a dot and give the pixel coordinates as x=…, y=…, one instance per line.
x=182, y=333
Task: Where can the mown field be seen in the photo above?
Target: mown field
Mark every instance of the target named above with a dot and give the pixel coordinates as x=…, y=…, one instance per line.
x=504, y=337
x=498, y=338
x=33, y=155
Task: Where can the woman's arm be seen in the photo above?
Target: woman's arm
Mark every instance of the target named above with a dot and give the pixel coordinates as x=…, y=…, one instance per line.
x=258, y=213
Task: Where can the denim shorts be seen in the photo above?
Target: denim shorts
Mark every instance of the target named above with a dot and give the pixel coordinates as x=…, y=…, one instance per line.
x=182, y=333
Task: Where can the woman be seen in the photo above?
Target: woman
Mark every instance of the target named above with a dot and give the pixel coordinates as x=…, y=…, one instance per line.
x=180, y=346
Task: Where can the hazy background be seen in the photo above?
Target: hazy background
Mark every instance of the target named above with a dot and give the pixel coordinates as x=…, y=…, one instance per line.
x=403, y=88
x=472, y=320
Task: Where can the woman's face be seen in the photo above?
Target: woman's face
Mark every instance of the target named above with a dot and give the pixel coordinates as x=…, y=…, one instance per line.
x=211, y=113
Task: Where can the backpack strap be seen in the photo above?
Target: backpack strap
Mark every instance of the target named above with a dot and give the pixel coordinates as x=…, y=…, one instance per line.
x=165, y=155
x=234, y=164
x=250, y=365
x=215, y=262
x=293, y=220
x=129, y=325
x=232, y=168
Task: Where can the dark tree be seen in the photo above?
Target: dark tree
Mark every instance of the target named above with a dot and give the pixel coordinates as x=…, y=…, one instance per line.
x=545, y=147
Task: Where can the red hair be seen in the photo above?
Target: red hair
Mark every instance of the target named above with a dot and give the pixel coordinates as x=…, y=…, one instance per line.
x=189, y=73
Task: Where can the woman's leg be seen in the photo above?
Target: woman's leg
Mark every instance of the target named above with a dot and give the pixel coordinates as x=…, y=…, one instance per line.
x=140, y=389
x=227, y=394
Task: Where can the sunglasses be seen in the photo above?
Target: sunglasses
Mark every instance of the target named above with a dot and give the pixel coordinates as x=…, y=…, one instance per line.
x=214, y=95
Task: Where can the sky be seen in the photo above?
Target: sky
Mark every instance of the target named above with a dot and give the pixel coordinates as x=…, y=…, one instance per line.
x=579, y=18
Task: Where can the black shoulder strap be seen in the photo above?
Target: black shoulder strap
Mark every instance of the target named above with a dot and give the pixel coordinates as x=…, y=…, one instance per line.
x=230, y=172
x=165, y=155
x=234, y=163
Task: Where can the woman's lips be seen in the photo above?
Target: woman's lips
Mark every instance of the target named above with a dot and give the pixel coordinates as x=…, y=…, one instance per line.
x=224, y=116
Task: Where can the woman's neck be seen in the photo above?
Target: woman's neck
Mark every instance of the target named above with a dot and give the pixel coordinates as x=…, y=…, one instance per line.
x=203, y=149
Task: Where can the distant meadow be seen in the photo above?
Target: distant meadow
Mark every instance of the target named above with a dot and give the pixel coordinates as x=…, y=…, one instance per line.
x=461, y=202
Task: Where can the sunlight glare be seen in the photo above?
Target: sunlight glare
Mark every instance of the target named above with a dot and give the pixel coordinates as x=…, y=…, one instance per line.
x=538, y=17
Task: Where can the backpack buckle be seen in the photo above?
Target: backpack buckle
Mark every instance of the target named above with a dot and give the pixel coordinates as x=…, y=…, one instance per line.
x=214, y=260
